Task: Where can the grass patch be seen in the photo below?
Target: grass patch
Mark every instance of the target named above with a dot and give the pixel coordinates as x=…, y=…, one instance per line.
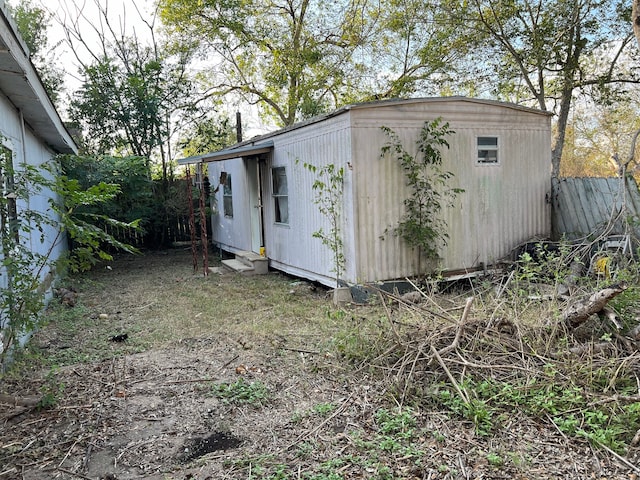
x=242, y=392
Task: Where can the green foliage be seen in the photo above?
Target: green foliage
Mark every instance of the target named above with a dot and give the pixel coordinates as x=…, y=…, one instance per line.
x=208, y=135
x=422, y=225
x=24, y=265
x=291, y=58
x=86, y=230
x=547, y=264
x=323, y=409
x=547, y=50
x=495, y=459
x=570, y=407
x=475, y=410
x=328, y=188
x=297, y=60
x=120, y=105
x=242, y=392
x=131, y=174
x=51, y=390
x=32, y=23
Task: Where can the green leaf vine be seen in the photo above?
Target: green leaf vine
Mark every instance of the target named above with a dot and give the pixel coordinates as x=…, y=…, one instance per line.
x=422, y=225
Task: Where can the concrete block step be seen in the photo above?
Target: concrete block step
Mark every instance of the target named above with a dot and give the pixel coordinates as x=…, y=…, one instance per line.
x=254, y=260
x=235, y=265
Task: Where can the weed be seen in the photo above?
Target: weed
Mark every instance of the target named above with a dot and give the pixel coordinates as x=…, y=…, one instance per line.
x=242, y=392
x=400, y=424
x=494, y=459
x=305, y=449
x=323, y=409
x=51, y=391
x=572, y=412
x=478, y=411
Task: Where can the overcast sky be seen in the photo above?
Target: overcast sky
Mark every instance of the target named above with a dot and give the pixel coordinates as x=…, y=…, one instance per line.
x=122, y=16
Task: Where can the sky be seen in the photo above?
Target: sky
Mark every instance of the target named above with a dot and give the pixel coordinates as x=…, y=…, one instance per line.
x=124, y=16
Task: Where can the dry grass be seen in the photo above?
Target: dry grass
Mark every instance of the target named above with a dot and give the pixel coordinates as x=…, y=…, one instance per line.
x=158, y=299
x=474, y=382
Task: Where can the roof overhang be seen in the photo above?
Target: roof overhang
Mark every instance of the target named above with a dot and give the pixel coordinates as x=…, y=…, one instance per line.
x=237, y=151
x=22, y=86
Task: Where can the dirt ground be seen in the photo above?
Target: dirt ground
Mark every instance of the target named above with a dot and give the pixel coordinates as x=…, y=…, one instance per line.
x=150, y=406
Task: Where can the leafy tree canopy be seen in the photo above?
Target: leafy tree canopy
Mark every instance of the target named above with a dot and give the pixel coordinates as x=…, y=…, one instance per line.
x=544, y=52
x=299, y=58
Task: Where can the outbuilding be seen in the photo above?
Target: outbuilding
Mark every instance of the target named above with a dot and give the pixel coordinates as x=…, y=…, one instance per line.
x=499, y=154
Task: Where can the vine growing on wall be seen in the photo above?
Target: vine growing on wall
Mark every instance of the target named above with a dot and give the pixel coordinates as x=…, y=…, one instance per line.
x=328, y=188
x=422, y=225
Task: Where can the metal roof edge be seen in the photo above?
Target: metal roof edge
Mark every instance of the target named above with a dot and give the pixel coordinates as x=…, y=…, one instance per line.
x=243, y=149
x=55, y=135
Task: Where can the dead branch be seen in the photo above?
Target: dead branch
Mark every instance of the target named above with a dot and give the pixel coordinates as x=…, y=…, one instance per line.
x=590, y=348
x=337, y=412
x=459, y=329
x=463, y=396
x=578, y=313
x=28, y=401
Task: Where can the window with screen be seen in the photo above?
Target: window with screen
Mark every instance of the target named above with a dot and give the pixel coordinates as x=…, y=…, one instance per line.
x=280, y=195
x=487, y=150
x=227, y=197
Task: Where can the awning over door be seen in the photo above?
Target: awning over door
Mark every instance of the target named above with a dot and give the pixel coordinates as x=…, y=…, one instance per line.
x=236, y=151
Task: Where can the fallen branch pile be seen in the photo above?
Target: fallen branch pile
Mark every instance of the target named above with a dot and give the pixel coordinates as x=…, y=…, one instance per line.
x=478, y=345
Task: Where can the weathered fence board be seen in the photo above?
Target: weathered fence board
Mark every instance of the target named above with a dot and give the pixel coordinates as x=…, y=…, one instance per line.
x=586, y=206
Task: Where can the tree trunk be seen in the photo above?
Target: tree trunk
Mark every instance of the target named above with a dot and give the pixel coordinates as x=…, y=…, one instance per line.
x=635, y=19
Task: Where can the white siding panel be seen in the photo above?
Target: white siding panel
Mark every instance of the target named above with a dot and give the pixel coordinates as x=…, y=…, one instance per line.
x=28, y=148
x=231, y=233
x=293, y=248
x=502, y=205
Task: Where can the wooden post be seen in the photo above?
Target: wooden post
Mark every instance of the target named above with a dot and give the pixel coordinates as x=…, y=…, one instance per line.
x=204, y=238
x=192, y=221
x=238, y=127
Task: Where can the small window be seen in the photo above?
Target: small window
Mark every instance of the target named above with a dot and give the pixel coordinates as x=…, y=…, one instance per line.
x=9, y=190
x=227, y=198
x=487, y=150
x=280, y=195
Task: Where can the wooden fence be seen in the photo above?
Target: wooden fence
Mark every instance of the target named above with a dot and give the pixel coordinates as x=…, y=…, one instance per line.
x=584, y=207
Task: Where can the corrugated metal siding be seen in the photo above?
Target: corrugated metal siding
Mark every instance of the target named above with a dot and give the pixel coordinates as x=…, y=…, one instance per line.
x=231, y=233
x=585, y=206
x=292, y=248
x=502, y=205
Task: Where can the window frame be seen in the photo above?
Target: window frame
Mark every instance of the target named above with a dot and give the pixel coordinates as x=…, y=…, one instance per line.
x=227, y=197
x=487, y=148
x=7, y=187
x=278, y=196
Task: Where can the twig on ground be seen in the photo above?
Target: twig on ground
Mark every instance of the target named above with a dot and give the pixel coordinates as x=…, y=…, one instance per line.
x=300, y=350
x=459, y=328
x=620, y=458
x=75, y=474
x=68, y=452
x=307, y=434
x=462, y=394
x=210, y=379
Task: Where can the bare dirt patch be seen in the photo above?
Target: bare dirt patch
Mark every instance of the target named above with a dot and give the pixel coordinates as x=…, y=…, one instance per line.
x=240, y=377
